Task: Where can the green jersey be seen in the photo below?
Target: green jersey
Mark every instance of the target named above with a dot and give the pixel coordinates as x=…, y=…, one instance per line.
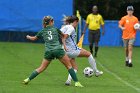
x=52, y=38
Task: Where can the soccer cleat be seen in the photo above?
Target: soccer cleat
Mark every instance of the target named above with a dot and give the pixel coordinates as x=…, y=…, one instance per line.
x=130, y=65
x=78, y=84
x=126, y=63
x=68, y=83
x=98, y=73
x=26, y=81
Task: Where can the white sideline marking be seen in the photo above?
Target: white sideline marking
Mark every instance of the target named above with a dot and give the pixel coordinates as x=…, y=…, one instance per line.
x=120, y=79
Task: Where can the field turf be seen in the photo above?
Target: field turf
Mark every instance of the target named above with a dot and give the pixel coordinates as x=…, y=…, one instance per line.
x=18, y=60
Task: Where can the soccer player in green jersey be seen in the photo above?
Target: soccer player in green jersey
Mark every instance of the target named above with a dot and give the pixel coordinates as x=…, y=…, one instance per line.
x=53, y=49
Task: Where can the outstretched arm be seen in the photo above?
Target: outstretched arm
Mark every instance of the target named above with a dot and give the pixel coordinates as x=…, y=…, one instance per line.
x=32, y=38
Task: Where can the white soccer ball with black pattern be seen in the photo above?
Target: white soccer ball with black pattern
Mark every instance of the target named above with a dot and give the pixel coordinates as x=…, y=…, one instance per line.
x=88, y=72
x=137, y=26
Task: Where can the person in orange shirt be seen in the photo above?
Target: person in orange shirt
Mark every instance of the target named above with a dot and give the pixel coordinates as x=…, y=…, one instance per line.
x=128, y=33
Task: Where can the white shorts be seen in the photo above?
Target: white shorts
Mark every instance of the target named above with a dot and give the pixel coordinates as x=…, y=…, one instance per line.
x=73, y=53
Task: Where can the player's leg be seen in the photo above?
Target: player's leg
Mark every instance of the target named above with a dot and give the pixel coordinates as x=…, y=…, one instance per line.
x=126, y=56
x=96, y=48
x=66, y=61
x=97, y=38
x=74, y=65
x=126, y=51
x=91, y=60
x=130, y=49
x=90, y=39
x=36, y=72
x=45, y=62
x=60, y=54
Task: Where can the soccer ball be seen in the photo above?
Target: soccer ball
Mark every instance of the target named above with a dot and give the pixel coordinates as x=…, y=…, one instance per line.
x=137, y=26
x=88, y=72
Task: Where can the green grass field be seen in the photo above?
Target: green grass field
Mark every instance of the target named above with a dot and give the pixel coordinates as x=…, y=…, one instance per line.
x=18, y=60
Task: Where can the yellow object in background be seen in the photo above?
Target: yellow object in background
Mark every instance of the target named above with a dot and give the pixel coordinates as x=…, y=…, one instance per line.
x=80, y=43
x=78, y=14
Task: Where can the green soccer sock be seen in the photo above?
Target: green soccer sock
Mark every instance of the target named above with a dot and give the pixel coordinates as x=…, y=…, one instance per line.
x=33, y=75
x=73, y=74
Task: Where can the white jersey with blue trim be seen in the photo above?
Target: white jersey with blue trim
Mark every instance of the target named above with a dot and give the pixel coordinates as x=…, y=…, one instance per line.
x=71, y=40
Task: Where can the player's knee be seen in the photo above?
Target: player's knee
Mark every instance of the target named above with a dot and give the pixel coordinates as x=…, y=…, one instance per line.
x=130, y=48
x=87, y=53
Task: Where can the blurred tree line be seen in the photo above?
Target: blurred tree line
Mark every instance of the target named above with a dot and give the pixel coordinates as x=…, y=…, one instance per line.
x=109, y=9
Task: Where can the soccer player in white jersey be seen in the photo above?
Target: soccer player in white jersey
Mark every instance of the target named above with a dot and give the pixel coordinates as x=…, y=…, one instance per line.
x=73, y=50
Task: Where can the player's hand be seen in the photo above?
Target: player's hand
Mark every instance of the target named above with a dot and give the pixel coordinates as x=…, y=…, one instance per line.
x=123, y=28
x=28, y=37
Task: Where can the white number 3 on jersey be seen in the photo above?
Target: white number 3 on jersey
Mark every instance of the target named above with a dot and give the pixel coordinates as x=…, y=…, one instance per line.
x=50, y=35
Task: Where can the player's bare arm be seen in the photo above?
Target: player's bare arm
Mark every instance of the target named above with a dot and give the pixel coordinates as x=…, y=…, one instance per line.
x=64, y=37
x=32, y=38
